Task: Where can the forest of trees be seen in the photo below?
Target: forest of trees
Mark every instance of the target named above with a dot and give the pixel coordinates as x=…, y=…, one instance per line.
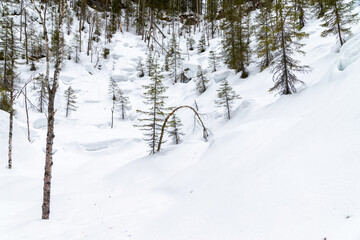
x=263, y=32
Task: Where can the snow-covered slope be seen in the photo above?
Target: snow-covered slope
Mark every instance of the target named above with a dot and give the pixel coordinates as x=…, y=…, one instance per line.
x=285, y=167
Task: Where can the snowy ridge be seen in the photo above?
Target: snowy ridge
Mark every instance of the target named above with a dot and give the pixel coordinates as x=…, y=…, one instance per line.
x=285, y=167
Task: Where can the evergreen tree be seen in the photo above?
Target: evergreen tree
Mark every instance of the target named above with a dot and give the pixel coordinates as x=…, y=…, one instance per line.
x=201, y=81
x=175, y=60
x=284, y=66
x=211, y=14
x=319, y=7
x=202, y=44
x=190, y=42
x=154, y=116
x=227, y=97
x=264, y=35
x=70, y=100
x=113, y=92
x=150, y=61
x=140, y=68
x=41, y=92
x=337, y=18
x=123, y=103
x=213, y=61
x=175, y=129
x=236, y=42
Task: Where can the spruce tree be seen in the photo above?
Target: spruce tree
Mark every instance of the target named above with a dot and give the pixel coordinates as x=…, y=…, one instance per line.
x=41, y=92
x=202, y=44
x=150, y=61
x=174, y=130
x=213, y=61
x=201, y=81
x=337, y=19
x=152, y=119
x=284, y=66
x=264, y=35
x=175, y=60
x=227, y=97
x=113, y=91
x=236, y=41
x=211, y=14
x=140, y=68
x=70, y=98
x=123, y=103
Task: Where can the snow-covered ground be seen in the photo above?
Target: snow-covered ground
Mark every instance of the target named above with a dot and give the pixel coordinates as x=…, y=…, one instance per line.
x=285, y=167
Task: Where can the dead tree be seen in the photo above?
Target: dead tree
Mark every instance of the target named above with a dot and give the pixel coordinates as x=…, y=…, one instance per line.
x=205, y=133
x=52, y=88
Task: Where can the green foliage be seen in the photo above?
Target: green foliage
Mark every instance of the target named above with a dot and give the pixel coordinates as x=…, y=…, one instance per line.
x=202, y=44
x=236, y=44
x=213, y=61
x=337, y=19
x=41, y=92
x=123, y=103
x=265, y=35
x=227, y=97
x=140, y=68
x=153, y=117
x=150, y=61
x=175, y=59
x=5, y=103
x=70, y=100
x=284, y=66
x=174, y=129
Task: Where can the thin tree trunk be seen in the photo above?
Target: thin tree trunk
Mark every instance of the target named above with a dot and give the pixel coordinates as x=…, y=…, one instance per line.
x=27, y=115
x=26, y=40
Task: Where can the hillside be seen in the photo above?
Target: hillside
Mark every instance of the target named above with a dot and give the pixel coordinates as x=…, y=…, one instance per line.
x=284, y=167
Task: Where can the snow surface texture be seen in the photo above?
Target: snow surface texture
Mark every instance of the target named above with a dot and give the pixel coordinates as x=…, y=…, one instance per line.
x=284, y=168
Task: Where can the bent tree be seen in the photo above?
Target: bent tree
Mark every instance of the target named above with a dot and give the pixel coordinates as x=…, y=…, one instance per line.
x=205, y=132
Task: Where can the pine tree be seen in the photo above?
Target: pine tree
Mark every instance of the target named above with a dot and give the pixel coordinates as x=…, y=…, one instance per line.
x=175, y=60
x=227, y=97
x=113, y=92
x=264, y=35
x=284, y=66
x=236, y=41
x=150, y=61
x=123, y=103
x=337, y=18
x=175, y=129
x=213, y=61
x=154, y=116
x=41, y=92
x=202, y=44
x=211, y=14
x=190, y=42
x=201, y=81
x=140, y=68
x=70, y=98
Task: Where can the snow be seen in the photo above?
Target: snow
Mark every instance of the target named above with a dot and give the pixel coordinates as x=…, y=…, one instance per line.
x=284, y=167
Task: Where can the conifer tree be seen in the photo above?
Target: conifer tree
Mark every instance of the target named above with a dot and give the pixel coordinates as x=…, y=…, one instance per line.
x=319, y=7
x=337, y=19
x=201, y=81
x=264, y=35
x=213, y=61
x=236, y=42
x=175, y=60
x=227, y=97
x=190, y=42
x=211, y=14
x=202, y=44
x=123, y=103
x=284, y=66
x=140, y=68
x=152, y=119
x=70, y=100
x=174, y=130
x=113, y=91
x=41, y=92
x=150, y=61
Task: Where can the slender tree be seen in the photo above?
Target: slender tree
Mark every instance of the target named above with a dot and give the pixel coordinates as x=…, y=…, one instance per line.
x=284, y=66
x=123, y=103
x=175, y=129
x=201, y=81
x=213, y=61
x=151, y=123
x=227, y=97
x=70, y=98
x=338, y=17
